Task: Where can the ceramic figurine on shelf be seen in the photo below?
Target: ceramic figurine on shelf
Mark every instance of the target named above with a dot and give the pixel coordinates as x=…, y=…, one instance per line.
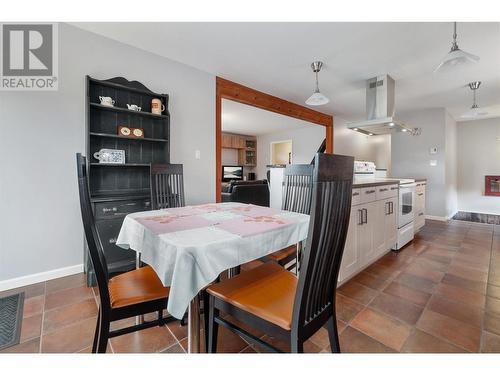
x=134, y=107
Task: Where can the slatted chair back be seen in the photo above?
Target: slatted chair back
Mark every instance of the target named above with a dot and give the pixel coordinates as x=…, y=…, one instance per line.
x=329, y=221
x=91, y=235
x=297, y=188
x=167, y=186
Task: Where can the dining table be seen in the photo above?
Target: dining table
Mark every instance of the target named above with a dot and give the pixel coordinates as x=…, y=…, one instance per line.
x=189, y=247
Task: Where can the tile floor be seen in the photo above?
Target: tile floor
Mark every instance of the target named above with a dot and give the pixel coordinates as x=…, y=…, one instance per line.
x=439, y=294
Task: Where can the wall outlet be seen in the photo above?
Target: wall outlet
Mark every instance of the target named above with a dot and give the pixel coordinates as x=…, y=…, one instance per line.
x=197, y=154
x=433, y=150
x=433, y=163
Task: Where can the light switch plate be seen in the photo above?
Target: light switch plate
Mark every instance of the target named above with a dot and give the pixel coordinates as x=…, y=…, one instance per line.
x=433, y=163
x=433, y=150
x=197, y=154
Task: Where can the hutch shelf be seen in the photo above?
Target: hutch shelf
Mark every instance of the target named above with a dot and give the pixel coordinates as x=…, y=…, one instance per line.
x=119, y=189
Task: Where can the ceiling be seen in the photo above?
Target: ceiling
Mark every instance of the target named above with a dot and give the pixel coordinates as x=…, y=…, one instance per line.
x=275, y=58
x=247, y=120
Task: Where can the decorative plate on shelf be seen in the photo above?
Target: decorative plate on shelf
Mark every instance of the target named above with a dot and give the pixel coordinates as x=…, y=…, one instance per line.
x=127, y=132
x=110, y=156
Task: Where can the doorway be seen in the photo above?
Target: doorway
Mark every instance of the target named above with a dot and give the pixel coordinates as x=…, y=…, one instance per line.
x=281, y=152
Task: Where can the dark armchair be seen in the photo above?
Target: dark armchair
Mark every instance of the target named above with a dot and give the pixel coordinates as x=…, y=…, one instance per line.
x=254, y=192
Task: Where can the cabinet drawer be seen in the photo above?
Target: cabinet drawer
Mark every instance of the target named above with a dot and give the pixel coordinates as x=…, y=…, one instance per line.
x=387, y=191
x=419, y=220
x=420, y=188
x=356, y=197
x=106, y=210
x=368, y=194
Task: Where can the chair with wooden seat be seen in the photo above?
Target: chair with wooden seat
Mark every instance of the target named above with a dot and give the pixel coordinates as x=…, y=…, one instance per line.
x=275, y=301
x=297, y=195
x=129, y=294
x=167, y=186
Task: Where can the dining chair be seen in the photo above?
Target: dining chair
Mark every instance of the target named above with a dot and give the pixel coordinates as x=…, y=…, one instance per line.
x=275, y=301
x=167, y=186
x=129, y=294
x=296, y=197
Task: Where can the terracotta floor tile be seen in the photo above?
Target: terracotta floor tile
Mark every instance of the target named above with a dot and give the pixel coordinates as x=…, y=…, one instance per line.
x=459, y=294
x=354, y=341
x=468, y=273
x=493, y=305
x=490, y=343
x=30, y=291
x=321, y=338
x=421, y=342
x=425, y=272
x=175, y=349
x=416, y=282
x=491, y=323
x=249, y=350
x=397, y=307
x=309, y=346
x=460, y=282
x=415, y=296
x=382, y=328
x=456, y=310
x=149, y=340
x=493, y=291
x=31, y=346
x=69, y=314
x=357, y=292
x=347, y=308
x=31, y=327
x=227, y=342
x=180, y=332
x=70, y=339
x=33, y=306
x=67, y=297
x=382, y=272
x=370, y=281
x=431, y=264
x=459, y=333
x=65, y=283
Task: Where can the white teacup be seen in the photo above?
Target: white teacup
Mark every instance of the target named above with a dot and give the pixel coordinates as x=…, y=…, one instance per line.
x=133, y=107
x=107, y=100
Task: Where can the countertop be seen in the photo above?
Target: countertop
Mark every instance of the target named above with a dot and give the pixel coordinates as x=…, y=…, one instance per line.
x=368, y=182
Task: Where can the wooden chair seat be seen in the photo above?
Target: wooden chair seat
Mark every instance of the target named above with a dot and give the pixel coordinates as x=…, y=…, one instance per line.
x=267, y=292
x=284, y=254
x=137, y=286
x=251, y=265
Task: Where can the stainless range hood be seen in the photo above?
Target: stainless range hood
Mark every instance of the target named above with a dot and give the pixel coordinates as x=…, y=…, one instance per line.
x=379, y=109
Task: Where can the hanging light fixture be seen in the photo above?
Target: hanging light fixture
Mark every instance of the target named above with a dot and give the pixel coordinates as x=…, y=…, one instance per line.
x=474, y=111
x=456, y=56
x=317, y=98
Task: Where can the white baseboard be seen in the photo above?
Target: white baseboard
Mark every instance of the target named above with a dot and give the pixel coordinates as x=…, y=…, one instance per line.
x=438, y=218
x=39, y=277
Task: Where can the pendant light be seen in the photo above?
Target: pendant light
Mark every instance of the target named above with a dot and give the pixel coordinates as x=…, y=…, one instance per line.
x=474, y=111
x=317, y=98
x=456, y=56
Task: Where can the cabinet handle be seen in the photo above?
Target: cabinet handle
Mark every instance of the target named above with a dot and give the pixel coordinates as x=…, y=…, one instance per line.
x=392, y=207
x=387, y=208
x=113, y=209
x=369, y=192
x=421, y=214
x=420, y=194
x=366, y=216
x=360, y=217
x=394, y=188
x=355, y=194
x=385, y=189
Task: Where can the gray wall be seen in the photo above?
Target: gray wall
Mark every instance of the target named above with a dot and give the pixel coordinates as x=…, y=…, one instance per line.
x=479, y=145
x=411, y=158
x=451, y=166
x=40, y=228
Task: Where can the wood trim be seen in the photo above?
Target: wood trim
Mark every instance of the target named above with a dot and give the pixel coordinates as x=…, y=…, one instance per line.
x=225, y=89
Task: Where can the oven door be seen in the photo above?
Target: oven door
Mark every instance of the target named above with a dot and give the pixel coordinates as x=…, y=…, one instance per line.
x=406, y=204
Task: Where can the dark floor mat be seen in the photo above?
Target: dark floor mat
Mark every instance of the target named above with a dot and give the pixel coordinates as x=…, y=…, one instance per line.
x=11, y=317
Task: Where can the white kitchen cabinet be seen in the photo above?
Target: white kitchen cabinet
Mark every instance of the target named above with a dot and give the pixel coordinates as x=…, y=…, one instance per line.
x=419, y=220
x=372, y=228
x=350, y=258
